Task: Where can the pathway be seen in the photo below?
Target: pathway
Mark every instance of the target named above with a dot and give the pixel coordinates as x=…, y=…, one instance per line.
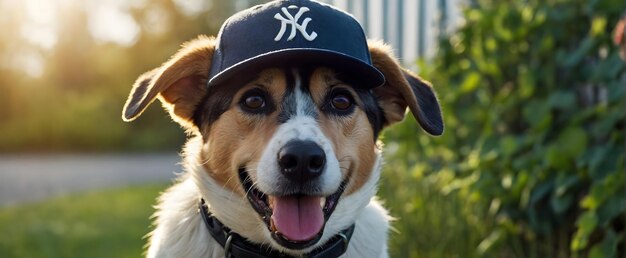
x=25, y=178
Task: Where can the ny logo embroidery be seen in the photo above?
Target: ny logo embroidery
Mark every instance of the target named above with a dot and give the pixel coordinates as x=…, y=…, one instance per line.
x=293, y=21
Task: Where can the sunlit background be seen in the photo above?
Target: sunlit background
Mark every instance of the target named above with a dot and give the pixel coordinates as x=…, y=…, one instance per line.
x=66, y=67
x=531, y=164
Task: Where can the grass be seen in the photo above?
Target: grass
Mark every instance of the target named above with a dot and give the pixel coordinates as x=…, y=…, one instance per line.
x=109, y=223
x=427, y=222
x=112, y=223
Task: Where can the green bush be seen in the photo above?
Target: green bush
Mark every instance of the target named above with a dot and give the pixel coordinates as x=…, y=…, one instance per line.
x=534, y=147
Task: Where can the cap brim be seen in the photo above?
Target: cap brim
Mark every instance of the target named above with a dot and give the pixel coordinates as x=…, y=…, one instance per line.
x=363, y=74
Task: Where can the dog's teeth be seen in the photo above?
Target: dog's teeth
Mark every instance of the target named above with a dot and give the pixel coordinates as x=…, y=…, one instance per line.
x=273, y=226
x=270, y=202
x=322, y=202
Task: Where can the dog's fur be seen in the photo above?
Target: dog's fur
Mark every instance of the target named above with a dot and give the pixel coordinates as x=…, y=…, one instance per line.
x=224, y=139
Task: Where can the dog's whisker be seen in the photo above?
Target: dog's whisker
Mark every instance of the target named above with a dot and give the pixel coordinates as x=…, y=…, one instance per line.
x=231, y=194
x=202, y=163
x=344, y=158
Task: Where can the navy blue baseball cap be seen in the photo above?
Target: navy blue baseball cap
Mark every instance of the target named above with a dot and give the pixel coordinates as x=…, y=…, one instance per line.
x=293, y=32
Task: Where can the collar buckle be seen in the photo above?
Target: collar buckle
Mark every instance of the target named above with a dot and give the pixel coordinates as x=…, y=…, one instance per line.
x=227, y=246
x=345, y=240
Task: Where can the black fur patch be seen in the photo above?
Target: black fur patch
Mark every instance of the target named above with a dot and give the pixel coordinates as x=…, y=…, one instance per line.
x=429, y=115
x=213, y=105
x=373, y=111
x=289, y=101
x=305, y=80
x=288, y=104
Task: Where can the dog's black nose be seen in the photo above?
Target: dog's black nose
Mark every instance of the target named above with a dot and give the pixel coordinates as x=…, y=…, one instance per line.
x=301, y=161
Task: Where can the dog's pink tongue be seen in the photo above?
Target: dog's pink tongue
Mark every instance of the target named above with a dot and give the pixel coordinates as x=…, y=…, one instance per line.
x=298, y=218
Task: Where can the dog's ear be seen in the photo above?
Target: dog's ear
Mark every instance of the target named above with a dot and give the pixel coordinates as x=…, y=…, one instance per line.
x=402, y=89
x=180, y=83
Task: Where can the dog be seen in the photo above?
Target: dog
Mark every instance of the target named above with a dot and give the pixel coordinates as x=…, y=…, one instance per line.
x=283, y=108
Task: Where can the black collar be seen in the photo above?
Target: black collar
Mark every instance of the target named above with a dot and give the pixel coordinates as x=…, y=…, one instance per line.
x=236, y=246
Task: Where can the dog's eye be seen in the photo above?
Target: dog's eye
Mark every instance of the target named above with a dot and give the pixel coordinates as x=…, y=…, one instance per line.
x=254, y=102
x=341, y=102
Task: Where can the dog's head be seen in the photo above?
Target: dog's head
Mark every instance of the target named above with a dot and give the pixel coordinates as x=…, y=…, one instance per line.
x=285, y=145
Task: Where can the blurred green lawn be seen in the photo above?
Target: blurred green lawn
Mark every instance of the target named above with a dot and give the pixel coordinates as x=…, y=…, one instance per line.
x=106, y=223
x=113, y=222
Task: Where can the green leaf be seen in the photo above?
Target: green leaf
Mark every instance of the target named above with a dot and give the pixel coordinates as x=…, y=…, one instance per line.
x=598, y=25
x=541, y=191
x=561, y=203
x=607, y=123
x=583, y=49
x=615, y=206
x=537, y=114
x=586, y=223
x=607, y=69
x=489, y=242
x=471, y=82
x=509, y=145
x=561, y=199
x=601, y=190
x=555, y=158
x=572, y=142
x=607, y=248
x=600, y=162
x=616, y=91
x=562, y=100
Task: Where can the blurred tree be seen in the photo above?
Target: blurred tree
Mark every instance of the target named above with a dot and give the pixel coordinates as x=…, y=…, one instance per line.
x=69, y=63
x=8, y=103
x=75, y=103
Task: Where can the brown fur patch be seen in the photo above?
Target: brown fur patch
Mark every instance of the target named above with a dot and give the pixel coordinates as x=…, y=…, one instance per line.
x=396, y=94
x=352, y=137
x=402, y=88
x=179, y=83
x=237, y=138
x=396, y=89
x=187, y=74
x=321, y=81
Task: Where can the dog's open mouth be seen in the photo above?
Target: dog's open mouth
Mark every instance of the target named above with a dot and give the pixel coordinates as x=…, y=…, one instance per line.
x=295, y=221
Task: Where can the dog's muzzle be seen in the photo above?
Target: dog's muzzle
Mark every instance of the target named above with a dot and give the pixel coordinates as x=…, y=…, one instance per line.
x=296, y=213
